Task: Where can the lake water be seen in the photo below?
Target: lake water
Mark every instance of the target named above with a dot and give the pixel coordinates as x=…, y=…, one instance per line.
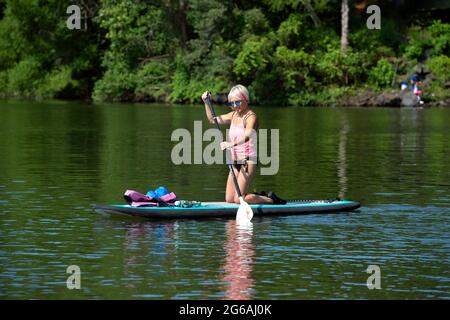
x=58, y=159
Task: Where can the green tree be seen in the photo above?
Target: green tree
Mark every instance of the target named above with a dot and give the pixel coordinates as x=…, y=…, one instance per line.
x=382, y=74
x=138, y=58
x=40, y=56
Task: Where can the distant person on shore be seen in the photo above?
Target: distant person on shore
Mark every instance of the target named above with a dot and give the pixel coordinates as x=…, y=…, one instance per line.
x=413, y=85
x=403, y=85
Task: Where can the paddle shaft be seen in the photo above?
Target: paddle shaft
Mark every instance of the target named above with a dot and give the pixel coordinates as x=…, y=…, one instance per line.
x=230, y=166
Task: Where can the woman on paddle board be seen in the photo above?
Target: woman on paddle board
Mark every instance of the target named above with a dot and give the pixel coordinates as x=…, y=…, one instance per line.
x=242, y=144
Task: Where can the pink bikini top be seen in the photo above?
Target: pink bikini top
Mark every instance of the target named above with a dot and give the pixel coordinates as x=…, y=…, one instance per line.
x=246, y=150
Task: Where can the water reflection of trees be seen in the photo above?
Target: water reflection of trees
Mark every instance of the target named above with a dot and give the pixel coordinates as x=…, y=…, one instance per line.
x=139, y=237
x=342, y=156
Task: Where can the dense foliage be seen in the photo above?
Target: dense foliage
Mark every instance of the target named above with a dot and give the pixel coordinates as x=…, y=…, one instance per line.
x=285, y=51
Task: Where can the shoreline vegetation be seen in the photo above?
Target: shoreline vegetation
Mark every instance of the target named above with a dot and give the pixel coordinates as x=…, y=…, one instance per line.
x=287, y=52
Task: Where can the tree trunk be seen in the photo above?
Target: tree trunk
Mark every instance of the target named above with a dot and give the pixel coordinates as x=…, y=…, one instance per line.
x=230, y=6
x=312, y=13
x=344, y=26
x=182, y=21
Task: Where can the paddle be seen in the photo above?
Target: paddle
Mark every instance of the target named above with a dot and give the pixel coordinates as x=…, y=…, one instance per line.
x=244, y=213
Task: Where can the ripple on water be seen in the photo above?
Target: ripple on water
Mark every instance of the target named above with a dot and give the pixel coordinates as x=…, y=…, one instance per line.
x=47, y=222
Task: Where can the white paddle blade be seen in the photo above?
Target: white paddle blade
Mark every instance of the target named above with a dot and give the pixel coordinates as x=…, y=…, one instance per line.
x=244, y=214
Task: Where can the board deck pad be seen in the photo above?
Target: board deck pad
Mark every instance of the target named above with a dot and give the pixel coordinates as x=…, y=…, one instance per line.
x=224, y=209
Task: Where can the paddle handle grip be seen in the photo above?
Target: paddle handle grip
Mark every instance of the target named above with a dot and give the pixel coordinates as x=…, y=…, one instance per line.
x=230, y=166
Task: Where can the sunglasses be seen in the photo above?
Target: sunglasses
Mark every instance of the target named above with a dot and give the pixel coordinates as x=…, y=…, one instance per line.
x=234, y=104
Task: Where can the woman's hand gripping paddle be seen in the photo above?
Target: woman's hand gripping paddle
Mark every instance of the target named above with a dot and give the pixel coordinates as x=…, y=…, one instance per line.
x=244, y=214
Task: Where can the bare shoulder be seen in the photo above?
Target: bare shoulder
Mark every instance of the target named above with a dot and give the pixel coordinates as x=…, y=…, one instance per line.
x=250, y=119
x=250, y=115
x=228, y=115
x=225, y=118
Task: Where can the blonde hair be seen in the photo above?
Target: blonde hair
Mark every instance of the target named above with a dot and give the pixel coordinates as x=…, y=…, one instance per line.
x=239, y=91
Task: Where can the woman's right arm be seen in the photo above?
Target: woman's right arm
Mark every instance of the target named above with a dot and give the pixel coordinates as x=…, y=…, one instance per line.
x=222, y=119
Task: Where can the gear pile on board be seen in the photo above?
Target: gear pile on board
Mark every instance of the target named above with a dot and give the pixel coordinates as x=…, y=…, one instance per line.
x=160, y=197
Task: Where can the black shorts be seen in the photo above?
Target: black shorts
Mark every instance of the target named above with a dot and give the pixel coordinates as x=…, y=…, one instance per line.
x=239, y=164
